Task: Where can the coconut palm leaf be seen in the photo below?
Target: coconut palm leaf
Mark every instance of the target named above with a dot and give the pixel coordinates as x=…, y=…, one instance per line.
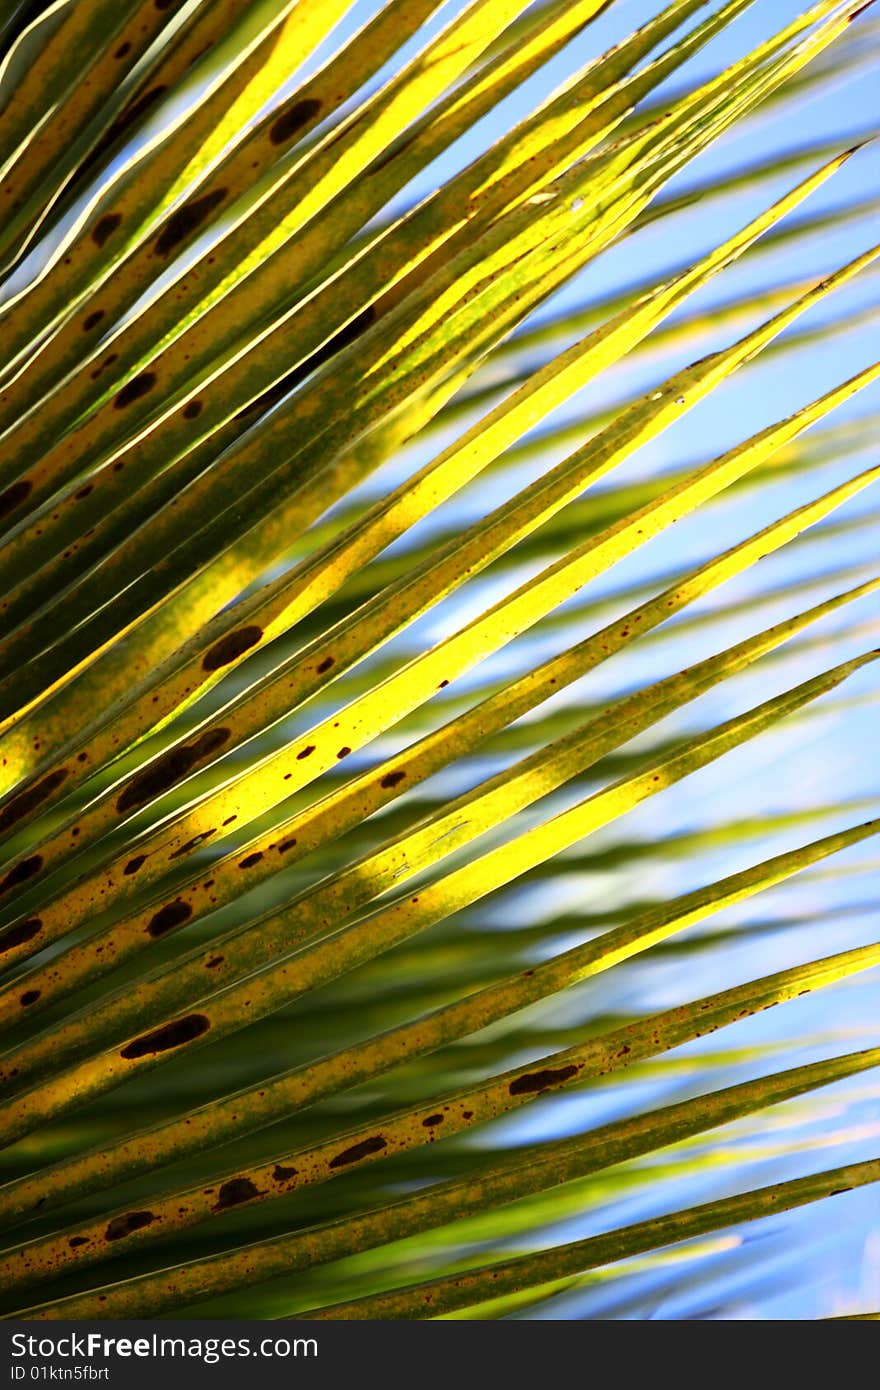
x=374, y=500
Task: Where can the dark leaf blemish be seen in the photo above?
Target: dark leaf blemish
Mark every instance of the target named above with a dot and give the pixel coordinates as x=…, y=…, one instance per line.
x=214, y=962
x=169, y=917
x=234, y=1191
x=134, y=864
x=105, y=227
x=21, y=933
x=391, y=779
x=432, y=1120
x=305, y=752
x=77, y=1240
x=14, y=496
x=31, y=798
x=194, y=843
x=30, y=996
x=234, y=644
x=186, y=220
x=282, y=1174
x=170, y=768
x=127, y=1223
x=286, y=845
x=93, y=320
x=343, y=752
x=174, y=1034
x=251, y=859
x=138, y=108
x=22, y=871
x=532, y=1081
x=133, y=390
x=293, y=120
x=340, y=340
x=192, y=409
x=373, y=1145
x=325, y=664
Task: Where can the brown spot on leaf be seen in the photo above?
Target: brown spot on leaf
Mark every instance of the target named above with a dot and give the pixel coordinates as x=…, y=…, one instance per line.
x=286, y=845
x=532, y=1081
x=134, y=864
x=93, y=320
x=129, y=1222
x=21, y=933
x=14, y=496
x=170, y=768
x=187, y=220
x=30, y=996
x=233, y=645
x=139, y=386
x=373, y=1145
x=282, y=1174
x=169, y=917
x=214, y=962
x=168, y=1036
x=122, y=50
x=132, y=113
x=325, y=664
x=105, y=227
x=343, y=752
x=29, y=799
x=22, y=871
x=84, y=491
x=293, y=120
x=77, y=1240
x=192, y=410
x=194, y=843
x=391, y=779
x=234, y=1191
x=305, y=752
x=432, y=1120
x=251, y=859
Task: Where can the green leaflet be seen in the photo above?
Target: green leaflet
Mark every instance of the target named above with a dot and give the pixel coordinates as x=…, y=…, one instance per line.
x=277, y=1096
x=458, y=823
x=549, y=1165
x=438, y=1118
x=115, y=38
x=227, y=179
x=280, y=523
x=273, y=779
x=446, y=1295
x=123, y=210
x=274, y=494
x=313, y=327
x=297, y=972
x=472, y=198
